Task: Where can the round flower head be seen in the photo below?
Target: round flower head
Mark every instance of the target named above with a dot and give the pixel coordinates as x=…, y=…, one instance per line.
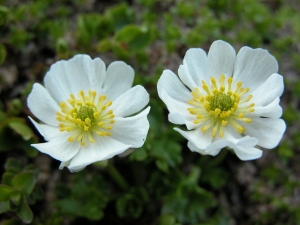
x=84, y=110
x=226, y=99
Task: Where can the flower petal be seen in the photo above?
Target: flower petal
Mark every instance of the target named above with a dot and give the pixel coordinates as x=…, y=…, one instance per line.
x=173, y=86
x=65, y=164
x=193, y=148
x=42, y=105
x=178, y=111
x=253, y=67
x=131, y=130
x=268, y=131
x=105, y=148
x=247, y=153
x=273, y=110
x=119, y=79
x=194, y=68
x=243, y=147
x=59, y=148
x=48, y=132
x=221, y=59
x=198, y=138
x=70, y=77
x=268, y=91
x=130, y=102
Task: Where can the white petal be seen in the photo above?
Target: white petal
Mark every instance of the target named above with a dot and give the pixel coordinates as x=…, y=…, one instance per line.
x=131, y=130
x=47, y=131
x=119, y=79
x=130, y=102
x=198, y=138
x=273, y=110
x=194, y=68
x=268, y=91
x=103, y=148
x=193, y=148
x=178, y=111
x=64, y=164
x=59, y=148
x=253, y=67
x=268, y=131
x=247, y=153
x=70, y=77
x=243, y=147
x=221, y=58
x=173, y=86
x=42, y=105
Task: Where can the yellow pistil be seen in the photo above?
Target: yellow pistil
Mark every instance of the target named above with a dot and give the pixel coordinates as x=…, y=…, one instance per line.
x=85, y=116
x=221, y=104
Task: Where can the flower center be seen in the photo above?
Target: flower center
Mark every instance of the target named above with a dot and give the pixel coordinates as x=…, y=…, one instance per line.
x=221, y=101
x=219, y=105
x=85, y=116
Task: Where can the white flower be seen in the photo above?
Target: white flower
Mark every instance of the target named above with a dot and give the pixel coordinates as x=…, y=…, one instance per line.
x=226, y=99
x=84, y=109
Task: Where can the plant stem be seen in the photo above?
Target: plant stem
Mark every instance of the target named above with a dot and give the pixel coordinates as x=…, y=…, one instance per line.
x=118, y=178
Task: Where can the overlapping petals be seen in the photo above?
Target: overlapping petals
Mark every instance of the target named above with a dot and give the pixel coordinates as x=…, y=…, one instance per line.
x=97, y=124
x=250, y=85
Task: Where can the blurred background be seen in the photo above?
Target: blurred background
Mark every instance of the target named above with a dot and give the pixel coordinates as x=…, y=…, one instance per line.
x=163, y=182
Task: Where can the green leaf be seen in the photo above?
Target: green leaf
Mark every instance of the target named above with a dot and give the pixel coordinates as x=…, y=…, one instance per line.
x=162, y=165
x=134, y=37
x=13, y=165
x=24, y=181
x=5, y=192
x=139, y=154
x=167, y=153
x=120, y=15
x=104, y=45
x=131, y=204
x=7, y=178
x=24, y=212
x=19, y=126
x=15, y=198
x=120, y=51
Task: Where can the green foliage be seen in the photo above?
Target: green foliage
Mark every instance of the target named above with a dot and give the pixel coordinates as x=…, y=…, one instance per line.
x=17, y=185
x=162, y=182
x=132, y=203
x=188, y=201
x=12, y=126
x=74, y=196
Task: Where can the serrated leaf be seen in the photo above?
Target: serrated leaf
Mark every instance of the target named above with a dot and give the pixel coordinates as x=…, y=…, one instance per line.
x=24, y=181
